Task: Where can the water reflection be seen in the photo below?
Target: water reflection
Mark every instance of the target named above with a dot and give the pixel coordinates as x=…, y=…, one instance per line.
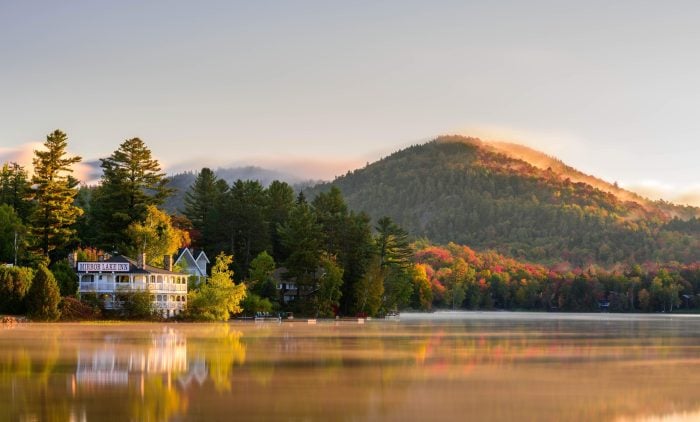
x=475, y=367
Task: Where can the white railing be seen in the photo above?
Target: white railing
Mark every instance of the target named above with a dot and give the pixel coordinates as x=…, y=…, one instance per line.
x=97, y=286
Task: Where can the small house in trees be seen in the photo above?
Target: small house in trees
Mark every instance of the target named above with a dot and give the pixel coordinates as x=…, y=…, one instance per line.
x=192, y=263
x=114, y=278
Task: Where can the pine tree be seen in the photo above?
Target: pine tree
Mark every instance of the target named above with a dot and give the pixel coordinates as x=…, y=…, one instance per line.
x=201, y=199
x=54, y=192
x=15, y=189
x=131, y=181
x=43, y=296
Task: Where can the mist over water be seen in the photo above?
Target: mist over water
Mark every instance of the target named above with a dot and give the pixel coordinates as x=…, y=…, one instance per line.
x=441, y=366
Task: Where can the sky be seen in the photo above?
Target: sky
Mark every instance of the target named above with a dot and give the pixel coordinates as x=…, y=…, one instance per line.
x=321, y=87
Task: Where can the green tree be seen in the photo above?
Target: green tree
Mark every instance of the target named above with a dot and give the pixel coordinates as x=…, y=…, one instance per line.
x=138, y=305
x=201, y=201
x=54, y=192
x=43, y=296
x=301, y=238
x=370, y=290
x=131, y=181
x=328, y=293
x=219, y=297
x=155, y=236
x=14, y=286
x=66, y=278
x=15, y=190
x=261, y=280
x=280, y=201
x=13, y=236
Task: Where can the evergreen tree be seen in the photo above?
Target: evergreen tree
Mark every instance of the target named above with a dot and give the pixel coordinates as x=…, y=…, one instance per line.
x=328, y=294
x=54, y=192
x=280, y=201
x=13, y=236
x=131, y=181
x=301, y=238
x=15, y=190
x=201, y=199
x=43, y=296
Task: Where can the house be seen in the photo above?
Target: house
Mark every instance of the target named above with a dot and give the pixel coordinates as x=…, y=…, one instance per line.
x=186, y=261
x=111, y=279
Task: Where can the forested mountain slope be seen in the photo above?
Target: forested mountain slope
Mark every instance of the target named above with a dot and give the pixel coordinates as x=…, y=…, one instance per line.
x=489, y=197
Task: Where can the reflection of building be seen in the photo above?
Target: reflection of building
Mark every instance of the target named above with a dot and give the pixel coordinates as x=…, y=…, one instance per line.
x=113, y=364
x=113, y=279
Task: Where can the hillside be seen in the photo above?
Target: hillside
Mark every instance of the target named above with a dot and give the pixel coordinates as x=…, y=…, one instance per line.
x=519, y=202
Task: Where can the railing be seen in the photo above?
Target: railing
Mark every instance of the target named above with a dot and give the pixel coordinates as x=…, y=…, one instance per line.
x=97, y=286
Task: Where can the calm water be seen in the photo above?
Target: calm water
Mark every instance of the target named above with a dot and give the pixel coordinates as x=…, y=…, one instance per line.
x=467, y=366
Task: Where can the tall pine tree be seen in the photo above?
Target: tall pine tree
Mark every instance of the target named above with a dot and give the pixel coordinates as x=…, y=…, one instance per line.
x=131, y=181
x=54, y=191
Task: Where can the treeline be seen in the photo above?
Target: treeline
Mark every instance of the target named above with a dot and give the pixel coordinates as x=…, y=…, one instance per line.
x=460, y=278
x=453, y=191
x=337, y=261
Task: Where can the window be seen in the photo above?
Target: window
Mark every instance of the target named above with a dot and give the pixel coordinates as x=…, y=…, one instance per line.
x=122, y=279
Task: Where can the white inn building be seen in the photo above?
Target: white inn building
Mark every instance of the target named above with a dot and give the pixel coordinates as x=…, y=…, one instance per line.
x=117, y=276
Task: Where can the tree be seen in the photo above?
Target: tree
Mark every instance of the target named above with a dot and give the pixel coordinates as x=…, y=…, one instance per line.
x=155, y=236
x=43, y=297
x=201, y=201
x=248, y=229
x=15, y=283
x=422, y=293
x=66, y=277
x=328, y=293
x=12, y=235
x=131, y=181
x=138, y=305
x=54, y=192
x=394, y=253
x=261, y=280
x=280, y=201
x=370, y=290
x=15, y=190
x=219, y=297
x=301, y=239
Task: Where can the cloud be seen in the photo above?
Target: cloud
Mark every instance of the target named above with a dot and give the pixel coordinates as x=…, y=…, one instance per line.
x=305, y=168
x=85, y=171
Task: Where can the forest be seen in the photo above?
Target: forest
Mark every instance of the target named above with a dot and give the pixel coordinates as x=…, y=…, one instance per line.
x=387, y=237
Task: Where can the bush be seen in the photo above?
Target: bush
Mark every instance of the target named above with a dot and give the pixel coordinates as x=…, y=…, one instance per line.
x=73, y=309
x=14, y=285
x=43, y=296
x=253, y=304
x=137, y=305
x=66, y=278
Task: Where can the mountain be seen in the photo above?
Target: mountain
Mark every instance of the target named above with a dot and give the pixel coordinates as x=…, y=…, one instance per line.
x=182, y=181
x=519, y=202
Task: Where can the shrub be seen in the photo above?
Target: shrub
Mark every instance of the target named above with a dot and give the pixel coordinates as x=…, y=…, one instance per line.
x=137, y=305
x=43, y=296
x=14, y=285
x=66, y=278
x=73, y=309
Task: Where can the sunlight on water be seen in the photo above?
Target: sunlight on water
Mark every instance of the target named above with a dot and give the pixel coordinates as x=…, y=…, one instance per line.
x=449, y=366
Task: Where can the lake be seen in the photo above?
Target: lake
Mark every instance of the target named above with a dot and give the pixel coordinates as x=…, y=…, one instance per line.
x=442, y=366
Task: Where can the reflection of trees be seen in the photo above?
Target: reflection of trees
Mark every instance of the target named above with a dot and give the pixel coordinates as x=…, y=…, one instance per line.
x=222, y=349
x=351, y=372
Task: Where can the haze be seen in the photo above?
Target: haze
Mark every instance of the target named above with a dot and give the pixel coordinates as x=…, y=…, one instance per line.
x=610, y=88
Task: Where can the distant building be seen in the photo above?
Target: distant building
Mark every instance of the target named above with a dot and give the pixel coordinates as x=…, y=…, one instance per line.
x=186, y=261
x=118, y=275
